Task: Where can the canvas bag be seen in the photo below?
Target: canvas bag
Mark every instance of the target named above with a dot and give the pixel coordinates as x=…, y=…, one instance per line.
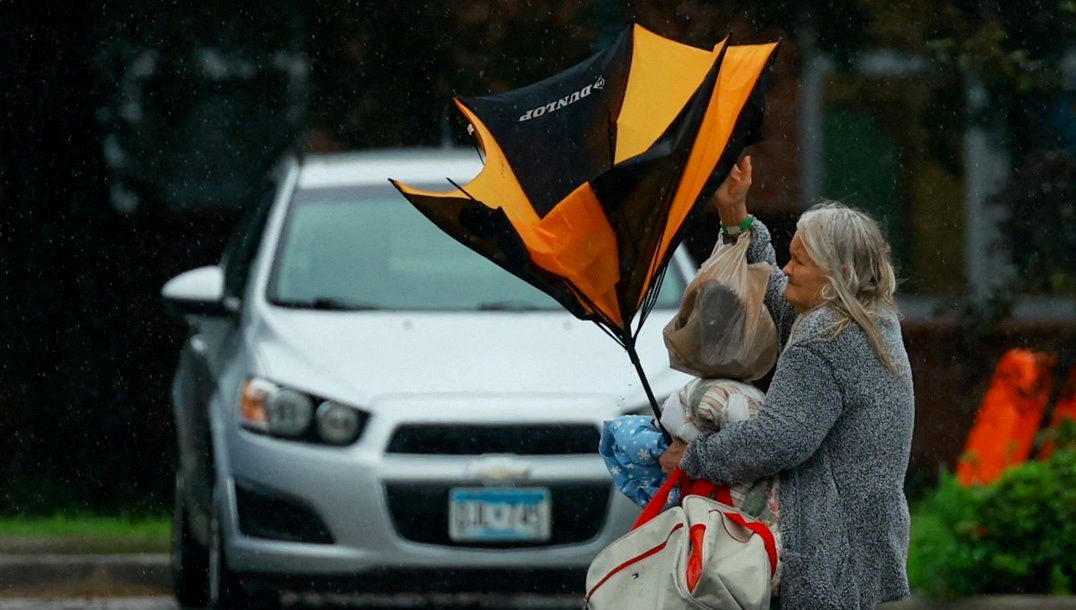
x=701, y=554
x=723, y=328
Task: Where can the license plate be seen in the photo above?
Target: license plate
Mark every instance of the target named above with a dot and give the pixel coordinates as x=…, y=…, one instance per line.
x=493, y=514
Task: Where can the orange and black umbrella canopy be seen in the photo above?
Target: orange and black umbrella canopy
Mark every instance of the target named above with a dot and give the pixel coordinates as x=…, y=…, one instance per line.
x=591, y=176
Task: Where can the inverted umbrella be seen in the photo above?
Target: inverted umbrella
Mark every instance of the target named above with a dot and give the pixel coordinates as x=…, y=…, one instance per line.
x=591, y=176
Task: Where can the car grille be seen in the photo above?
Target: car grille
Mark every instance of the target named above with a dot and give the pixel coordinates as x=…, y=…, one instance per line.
x=524, y=439
x=420, y=513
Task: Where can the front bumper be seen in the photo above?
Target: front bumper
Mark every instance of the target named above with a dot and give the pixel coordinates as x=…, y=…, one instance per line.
x=356, y=490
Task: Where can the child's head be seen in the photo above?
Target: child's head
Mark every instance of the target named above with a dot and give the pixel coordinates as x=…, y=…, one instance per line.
x=716, y=403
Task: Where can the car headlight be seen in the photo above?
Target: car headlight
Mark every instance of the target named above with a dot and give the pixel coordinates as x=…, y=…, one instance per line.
x=337, y=424
x=289, y=412
x=268, y=408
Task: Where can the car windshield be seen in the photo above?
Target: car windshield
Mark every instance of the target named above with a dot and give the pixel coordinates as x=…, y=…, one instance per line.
x=368, y=248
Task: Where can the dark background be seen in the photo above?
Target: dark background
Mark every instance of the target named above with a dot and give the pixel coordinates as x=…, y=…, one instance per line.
x=132, y=134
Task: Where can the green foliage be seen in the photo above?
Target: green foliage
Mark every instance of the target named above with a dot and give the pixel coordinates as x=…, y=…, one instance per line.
x=68, y=534
x=1011, y=46
x=940, y=561
x=1040, y=228
x=1015, y=536
x=1065, y=435
x=86, y=525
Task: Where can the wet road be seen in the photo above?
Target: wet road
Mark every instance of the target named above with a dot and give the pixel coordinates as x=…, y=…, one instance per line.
x=120, y=603
x=320, y=602
x=491, y=602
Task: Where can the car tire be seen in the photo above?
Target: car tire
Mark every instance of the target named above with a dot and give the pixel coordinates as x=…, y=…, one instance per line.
x=226, y=589
x=190, y=558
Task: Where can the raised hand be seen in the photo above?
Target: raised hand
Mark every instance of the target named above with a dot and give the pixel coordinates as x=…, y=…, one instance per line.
x=731, y=196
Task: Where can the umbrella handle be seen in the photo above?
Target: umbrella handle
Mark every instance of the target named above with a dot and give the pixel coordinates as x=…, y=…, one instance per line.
x=630, y=347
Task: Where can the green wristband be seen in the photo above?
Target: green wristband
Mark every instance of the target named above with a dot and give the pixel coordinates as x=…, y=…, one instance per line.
x=740, y=228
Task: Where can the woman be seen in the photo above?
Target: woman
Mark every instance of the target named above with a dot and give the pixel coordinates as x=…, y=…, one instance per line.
x=836, y=425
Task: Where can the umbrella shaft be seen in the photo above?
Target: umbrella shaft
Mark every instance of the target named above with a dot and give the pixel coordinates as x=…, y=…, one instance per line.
x=630, y=347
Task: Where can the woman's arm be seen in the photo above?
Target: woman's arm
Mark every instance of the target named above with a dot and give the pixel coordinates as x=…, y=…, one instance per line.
x=761, y=250
x=803, y=403
x=731, y=202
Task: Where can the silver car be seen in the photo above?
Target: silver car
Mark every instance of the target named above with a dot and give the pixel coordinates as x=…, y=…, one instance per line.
x=365, y=404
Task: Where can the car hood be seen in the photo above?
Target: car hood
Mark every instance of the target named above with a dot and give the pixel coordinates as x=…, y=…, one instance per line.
x=362, y=356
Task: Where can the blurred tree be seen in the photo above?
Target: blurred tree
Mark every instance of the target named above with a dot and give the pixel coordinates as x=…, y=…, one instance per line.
x=58, y=277
x=1041, y=233
x=200, y=103
x=131, y=135
x=385, y=73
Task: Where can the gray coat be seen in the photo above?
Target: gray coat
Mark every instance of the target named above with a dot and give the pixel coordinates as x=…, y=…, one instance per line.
x=837, y=428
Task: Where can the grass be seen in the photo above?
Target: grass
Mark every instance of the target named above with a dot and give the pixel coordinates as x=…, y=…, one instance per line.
x=84, y=534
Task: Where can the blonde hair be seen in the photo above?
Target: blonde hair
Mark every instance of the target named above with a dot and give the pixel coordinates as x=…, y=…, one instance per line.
x=850, y=248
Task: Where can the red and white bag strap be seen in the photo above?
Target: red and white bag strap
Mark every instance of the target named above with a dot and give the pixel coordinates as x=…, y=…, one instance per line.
x=721, y=493
x=660, y=499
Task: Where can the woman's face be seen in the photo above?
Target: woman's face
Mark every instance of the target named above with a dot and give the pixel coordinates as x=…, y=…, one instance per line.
x=805, y=278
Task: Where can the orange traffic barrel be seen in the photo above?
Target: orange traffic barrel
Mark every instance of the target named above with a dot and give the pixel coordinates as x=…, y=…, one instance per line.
x=1009, y=417
x=1065, y=410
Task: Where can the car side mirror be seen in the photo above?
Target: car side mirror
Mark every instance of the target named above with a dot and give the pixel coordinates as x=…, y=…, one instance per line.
x=199, y=292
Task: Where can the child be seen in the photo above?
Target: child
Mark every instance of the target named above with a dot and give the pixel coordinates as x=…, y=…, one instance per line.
x=708, y=405
x=631, y=446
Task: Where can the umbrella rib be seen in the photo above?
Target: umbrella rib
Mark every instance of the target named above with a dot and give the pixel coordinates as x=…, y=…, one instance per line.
x=658, y=272
x=478, y=151
x=651, y=299
x=603, y=322
x=600, y=324
x=462, y=190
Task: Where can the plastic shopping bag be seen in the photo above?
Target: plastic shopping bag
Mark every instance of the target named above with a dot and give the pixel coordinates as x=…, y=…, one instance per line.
x=723, y=328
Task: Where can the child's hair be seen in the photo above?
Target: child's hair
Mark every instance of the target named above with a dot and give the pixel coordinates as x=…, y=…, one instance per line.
x=708, y=402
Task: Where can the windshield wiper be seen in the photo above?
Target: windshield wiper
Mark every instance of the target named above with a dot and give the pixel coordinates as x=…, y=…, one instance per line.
x=507, y=306
x=330, y=304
